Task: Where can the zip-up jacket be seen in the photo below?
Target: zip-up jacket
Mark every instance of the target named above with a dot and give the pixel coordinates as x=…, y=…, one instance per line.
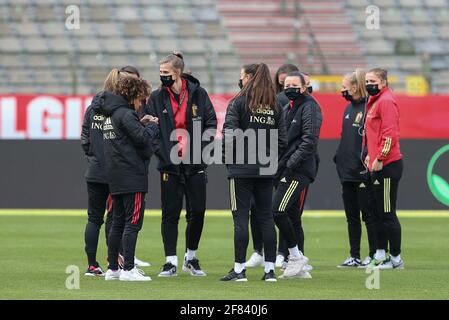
x=303, y=118
x=349, y=156
x=238, y=116
x=382, y=128
x=200, y=113
x=127, y=146
x=92, y=141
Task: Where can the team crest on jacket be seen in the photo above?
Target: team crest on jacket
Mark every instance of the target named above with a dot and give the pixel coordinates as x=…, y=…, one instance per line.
x=359, y=117
x=195, y=111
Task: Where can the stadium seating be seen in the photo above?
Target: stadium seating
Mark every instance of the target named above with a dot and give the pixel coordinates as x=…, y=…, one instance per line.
x=38, y=54
x=412, y=38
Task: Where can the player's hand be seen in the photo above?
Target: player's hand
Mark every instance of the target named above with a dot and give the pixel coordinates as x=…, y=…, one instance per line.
x=148, y=118
x=367, y=159
x=377, y=165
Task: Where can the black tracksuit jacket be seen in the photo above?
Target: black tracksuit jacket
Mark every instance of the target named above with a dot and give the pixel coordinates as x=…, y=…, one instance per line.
x=348, y=155
x=303, y=130
x=199, y=110
x=92, y=141
x=238, y=116
x=127, y=145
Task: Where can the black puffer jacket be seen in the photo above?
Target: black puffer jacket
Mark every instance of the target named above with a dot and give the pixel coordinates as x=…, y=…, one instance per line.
x=282, y=99
x=238, y=116
x=349, y=153
x=200, y=111
x=92, y=141
x=127, y=145
x=303, y=131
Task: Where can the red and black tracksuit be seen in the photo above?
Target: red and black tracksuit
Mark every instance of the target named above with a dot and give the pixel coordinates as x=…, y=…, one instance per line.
x=99, y=198
x=128, y=149
x=382, y=141
x=298, y=167
x=181, y=113
x=355, y=180
x=249, y=186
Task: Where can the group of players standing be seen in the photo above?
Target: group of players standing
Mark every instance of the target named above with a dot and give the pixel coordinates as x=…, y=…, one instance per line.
x=127, y=124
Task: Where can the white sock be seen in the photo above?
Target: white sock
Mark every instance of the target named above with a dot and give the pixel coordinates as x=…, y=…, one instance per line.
x=396, y=259
x=269, y=266
x=172, y=259
x=380, y=254
x=239, y=267
x=191, y=254
x=294, y=252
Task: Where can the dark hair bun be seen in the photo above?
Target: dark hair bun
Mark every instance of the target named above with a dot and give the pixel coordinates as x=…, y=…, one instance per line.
x=178, y=54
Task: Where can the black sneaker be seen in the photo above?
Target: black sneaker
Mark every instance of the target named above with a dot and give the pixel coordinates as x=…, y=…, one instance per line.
x=94, y=271
x=350, y=263
x=193, y=267
x=168, y=270
x=269, y=276
x=234, y=276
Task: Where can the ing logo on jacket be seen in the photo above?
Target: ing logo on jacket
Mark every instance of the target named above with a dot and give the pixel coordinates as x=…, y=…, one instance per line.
x=108, y=130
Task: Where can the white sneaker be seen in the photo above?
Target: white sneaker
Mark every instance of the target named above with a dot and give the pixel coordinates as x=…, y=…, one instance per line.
x=140, y=263
x=256, y=260
x=279, y=260
x=133, y=275
x=307, y=268
x=302, y=275
x=112, y=275
x=295, y=265
x=365, y=263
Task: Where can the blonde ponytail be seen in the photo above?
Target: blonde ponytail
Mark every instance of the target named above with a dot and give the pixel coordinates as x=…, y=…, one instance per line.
x=357, y=79
x=111, y=80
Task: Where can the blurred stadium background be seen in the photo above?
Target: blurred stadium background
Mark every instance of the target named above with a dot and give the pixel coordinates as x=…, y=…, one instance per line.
x=48, y=74
x=325, y=38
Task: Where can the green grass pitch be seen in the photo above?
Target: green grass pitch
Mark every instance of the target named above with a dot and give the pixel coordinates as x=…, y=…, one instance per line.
x=37, y=246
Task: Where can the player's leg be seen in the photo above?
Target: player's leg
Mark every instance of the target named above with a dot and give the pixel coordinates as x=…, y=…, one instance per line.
x=195, y=191
x=263, y=193
x=352, y=212
x=287, y=194
x=134, y=208
x=256, y=259
x=392, y=174
x=115, y=237
x=97, y=195
x=241, y=193
x=366, y=202
x=172, y=192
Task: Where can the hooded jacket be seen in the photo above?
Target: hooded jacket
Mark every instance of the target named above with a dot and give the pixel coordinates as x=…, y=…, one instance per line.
x=127, y=145
x=349, y=155
x=92, y=141
x=238, y=116
x=200, y=113
x=303, y=119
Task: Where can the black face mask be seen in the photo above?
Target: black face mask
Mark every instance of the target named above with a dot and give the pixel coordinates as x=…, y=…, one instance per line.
x=292, y=93
x=372, y=89
x=240, y=84
x=310, y=89
x=345, y=94
x=167, y=81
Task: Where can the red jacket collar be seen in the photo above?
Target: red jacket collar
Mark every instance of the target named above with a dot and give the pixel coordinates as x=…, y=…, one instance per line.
x=383, y=93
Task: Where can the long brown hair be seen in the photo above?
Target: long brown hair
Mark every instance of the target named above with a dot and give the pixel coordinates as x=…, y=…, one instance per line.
x=259, y=91
x=285, y=68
